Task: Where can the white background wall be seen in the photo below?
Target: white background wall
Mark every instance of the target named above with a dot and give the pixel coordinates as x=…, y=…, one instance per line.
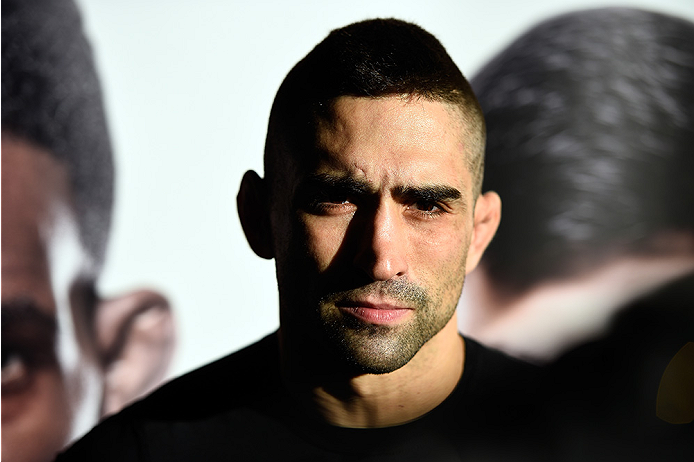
x=188, y=87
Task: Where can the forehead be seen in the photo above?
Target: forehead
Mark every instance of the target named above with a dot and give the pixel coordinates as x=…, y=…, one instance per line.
x=394, y=139
x=35, y=199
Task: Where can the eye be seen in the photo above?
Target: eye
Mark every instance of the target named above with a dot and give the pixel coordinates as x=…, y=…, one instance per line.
x=327, y=203
x=426, y=206
x=335, y=198
x=28, y=344
x=333, y=206
x=428, y=209
x=16, y=373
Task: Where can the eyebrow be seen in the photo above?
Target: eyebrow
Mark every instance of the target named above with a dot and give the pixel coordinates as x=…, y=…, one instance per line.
x=428, y=193
x=20, y=312
x=341, y=183
x=347, y=185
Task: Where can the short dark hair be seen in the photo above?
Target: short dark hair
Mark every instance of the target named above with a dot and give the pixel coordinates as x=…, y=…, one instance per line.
x=372, y=58
x=590, y=120
x=51, y=97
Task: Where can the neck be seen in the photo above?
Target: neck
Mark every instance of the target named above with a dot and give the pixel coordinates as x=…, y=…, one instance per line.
x=378, y=400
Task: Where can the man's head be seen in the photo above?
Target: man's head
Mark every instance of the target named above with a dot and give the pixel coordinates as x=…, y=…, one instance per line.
x=61, y=345
x=370, y=204
x=370, y=59
x=590, y=119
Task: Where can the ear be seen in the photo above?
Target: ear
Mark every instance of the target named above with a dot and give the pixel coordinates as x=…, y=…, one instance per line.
x=254, y=213
x=136, y=338
x=486, y=221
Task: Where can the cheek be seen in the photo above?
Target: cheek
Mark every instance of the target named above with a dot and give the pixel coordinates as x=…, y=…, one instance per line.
x=439, y=257
x=441, y=247
x=36, y=423
x=324, y=238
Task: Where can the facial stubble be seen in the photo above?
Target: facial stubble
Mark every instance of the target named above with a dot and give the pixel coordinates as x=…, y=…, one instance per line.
x=379, y=349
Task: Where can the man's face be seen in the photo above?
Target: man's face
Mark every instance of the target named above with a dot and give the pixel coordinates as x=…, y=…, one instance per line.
x=371, y=230
x=50, y=383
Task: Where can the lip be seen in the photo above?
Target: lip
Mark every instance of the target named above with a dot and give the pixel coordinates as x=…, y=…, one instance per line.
x=375, y=313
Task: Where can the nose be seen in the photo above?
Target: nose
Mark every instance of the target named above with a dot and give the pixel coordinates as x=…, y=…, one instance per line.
x=383, y=244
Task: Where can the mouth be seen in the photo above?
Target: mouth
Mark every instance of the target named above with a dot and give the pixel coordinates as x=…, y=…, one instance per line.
x=375, y=313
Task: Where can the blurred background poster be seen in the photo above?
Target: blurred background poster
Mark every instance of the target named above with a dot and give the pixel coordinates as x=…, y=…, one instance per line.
x=188, y=89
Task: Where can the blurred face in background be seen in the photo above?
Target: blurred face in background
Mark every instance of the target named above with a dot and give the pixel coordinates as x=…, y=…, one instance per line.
x=68, y=357
x=51, y=380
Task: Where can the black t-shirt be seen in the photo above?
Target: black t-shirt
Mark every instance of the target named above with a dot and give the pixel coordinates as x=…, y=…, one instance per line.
x=604, y=394
x=237, y=409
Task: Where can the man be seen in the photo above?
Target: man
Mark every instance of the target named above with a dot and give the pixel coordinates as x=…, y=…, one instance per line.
x=371, y=209
x=68, y=357
x=590, y=118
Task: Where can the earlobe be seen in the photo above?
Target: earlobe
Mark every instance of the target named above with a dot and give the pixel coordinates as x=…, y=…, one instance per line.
x=486, y=221
x=136, y=338
x=252, y=205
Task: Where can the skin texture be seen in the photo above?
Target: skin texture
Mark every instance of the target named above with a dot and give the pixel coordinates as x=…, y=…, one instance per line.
x=68, y=357
x=379, y=213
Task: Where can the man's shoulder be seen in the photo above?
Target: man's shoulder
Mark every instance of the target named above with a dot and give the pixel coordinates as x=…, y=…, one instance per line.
x=486, y=364
x=491, y=376
x=221, y=384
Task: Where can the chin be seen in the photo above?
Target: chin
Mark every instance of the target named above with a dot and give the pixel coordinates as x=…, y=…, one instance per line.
x=375, y=349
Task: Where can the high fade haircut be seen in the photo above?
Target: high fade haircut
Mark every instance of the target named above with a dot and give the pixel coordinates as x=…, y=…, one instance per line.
x=590, y=119
x=51, y=97
x=373, y=58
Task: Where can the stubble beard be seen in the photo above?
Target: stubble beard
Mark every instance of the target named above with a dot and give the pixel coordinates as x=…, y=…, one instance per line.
x=379, y=349
x=315, y=326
